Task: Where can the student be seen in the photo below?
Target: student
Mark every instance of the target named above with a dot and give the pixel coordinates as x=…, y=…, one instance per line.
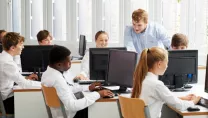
x=2, y=34
x=44, y=37
x=143, y=34
x=179, y=42
x=9, y=72
x=153, y=62
x=54, y=76
x=101, y=40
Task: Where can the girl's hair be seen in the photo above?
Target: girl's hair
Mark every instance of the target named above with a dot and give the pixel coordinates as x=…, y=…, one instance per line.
x=147, y=60
x=99, y=33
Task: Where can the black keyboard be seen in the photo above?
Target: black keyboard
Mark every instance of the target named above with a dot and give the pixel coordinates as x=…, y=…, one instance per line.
x=203, y=102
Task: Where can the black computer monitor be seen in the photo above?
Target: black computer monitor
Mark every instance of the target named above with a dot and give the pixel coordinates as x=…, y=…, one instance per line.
x=121, y=68
x=206, y=78
x=35, y=58
x=1, y=48
x=182, y=68
x=82, y=45
x=99, y=62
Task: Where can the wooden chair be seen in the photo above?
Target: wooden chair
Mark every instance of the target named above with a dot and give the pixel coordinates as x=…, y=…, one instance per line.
x=3, y=111
x=52, y=100
x=132, y=108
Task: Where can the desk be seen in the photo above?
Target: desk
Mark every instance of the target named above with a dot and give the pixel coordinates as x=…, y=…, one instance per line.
x=170, y=112
x=29, y=103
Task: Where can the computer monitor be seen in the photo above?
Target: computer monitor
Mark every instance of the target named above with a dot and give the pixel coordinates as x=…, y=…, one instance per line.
x=99, y=62
x=121, y=68
x=82, y=45
x=182, y=68
x=1, y=48
x=206, y=78
x=35, y=58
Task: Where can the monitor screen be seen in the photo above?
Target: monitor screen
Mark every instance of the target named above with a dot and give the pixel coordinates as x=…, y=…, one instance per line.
x=121, y=67
x=1, y=48
x=99, y=62
x=182, y=67
x=35, y=58
x=206, y=77
x=82, y=45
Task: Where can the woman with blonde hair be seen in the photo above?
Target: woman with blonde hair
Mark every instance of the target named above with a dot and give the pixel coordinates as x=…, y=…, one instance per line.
x=153, y=62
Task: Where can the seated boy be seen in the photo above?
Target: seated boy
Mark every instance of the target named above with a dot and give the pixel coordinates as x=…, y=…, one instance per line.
x=179, y=42
x=55, y=76
x=9, y=72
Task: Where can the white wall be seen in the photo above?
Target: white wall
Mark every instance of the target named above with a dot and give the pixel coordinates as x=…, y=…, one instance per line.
x=3, y=14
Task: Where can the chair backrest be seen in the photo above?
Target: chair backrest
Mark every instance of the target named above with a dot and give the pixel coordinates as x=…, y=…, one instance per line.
x=133, y=108
x=50, y=96
x=52, y=100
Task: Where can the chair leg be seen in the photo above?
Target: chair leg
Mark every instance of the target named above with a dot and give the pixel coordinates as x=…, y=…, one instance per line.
x=119, y=109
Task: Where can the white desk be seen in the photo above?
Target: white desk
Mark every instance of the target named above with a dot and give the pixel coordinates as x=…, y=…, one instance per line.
x=171, y=112
x=30, y=103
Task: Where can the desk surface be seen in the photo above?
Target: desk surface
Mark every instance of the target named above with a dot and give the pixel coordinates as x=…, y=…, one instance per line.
x=203, y=111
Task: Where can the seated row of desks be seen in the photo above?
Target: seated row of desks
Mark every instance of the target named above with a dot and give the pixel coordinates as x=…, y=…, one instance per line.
x=30, y=103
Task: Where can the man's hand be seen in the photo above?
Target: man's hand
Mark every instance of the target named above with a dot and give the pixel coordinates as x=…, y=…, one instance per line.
x=81, y=77
x=32, y=77
x=95, y=86
x=104, y=93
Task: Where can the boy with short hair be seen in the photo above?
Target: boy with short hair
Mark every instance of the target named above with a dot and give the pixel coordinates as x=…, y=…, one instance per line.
x=9, y=72
x=55, y=76
x=179, y=42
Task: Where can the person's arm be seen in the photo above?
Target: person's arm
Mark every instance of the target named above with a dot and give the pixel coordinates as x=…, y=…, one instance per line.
x=84, y=74
x=164, y=94
x=128, y=41
x=12, y=72
x=69, y=100
x=162, y=35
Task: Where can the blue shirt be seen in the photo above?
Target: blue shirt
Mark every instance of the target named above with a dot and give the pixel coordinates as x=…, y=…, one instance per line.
x=154, y=35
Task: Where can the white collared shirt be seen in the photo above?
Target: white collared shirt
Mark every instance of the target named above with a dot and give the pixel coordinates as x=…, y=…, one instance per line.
x=54, y=78
x=155, y=93
x=9, y=73
x=85, y=66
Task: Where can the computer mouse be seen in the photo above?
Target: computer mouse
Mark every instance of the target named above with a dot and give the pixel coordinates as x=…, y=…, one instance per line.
x=76, y=80
x=116, y=94
x=193, y=109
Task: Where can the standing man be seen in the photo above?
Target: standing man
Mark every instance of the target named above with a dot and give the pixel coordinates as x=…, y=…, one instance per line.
x=143, y=35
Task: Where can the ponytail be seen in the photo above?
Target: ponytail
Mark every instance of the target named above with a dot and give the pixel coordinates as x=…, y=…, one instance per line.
x=139, y=74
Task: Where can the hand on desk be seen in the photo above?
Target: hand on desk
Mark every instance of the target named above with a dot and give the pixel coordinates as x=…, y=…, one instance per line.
x=188, y=97
x=191, y=97
x=95, y=86
x=81, y=77
x=104, y=93
x=32, y=77
x=196, y=99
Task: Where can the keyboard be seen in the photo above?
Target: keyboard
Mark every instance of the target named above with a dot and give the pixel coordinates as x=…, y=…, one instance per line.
x=203, y=102
x=90, y=81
